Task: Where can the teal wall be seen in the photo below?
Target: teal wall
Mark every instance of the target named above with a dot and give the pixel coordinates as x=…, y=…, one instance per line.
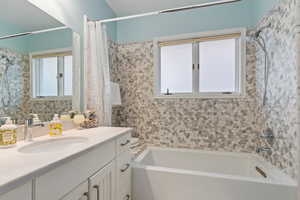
x=18, y=44
x=50, y=40
x=40, y=42
x=261, y=7
x=71, y=12
x=197, y=20
x=242, y=14
x=245, y=13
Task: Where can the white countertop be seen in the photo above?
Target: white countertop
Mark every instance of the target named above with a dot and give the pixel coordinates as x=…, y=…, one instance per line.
x=17, y=168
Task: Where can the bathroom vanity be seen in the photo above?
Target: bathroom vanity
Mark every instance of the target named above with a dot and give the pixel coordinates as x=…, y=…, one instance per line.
x=83, y=164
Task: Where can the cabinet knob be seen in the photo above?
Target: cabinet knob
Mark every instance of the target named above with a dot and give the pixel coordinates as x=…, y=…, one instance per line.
x=125, y=143
x=127, y=197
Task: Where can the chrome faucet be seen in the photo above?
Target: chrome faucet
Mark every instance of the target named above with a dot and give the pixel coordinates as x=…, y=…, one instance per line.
x=268, y=135
x=264, y=149
x=28, y=129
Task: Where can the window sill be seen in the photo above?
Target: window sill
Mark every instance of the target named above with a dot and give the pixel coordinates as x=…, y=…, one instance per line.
x=52, y=98
x=209, y=96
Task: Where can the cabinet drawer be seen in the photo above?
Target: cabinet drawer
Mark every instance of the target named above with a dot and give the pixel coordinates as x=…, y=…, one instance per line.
x=63, y=179
x=79, y=193
x=23, y=192
x=124, y=176
x=123, y=143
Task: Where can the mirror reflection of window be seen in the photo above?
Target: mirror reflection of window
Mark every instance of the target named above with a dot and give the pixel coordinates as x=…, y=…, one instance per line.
x=52, y=75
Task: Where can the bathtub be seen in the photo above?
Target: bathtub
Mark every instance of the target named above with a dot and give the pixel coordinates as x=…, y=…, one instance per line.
x=181, y=174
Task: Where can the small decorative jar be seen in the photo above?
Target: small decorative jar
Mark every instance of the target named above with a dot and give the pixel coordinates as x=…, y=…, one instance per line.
x=8, y=134
x=90, y=120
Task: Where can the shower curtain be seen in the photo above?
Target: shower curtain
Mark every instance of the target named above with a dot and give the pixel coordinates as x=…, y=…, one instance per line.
x=96, y=72
x=76, y=72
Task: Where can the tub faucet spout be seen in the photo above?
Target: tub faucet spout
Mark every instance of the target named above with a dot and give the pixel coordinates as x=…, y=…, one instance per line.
x=264, y=149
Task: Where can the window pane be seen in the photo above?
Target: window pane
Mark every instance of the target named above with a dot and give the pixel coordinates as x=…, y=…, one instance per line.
x=176, y=68
x=68, y=74
x=48, y=76
x=217, y=66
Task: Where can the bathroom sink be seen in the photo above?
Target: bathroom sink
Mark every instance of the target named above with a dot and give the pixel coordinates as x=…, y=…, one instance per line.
x=53, y=145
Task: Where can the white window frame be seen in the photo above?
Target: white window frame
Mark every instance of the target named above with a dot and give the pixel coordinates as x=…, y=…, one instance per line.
x=240, y=71
x=47, y=98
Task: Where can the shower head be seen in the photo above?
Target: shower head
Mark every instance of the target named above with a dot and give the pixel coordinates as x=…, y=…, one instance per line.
x=259, y=31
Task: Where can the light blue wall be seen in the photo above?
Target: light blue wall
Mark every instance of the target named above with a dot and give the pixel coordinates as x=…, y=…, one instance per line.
x=51, y=40
x=18, y=44
x=40, y=42
x=243, y=14
x=262, y=7
x=71, y=12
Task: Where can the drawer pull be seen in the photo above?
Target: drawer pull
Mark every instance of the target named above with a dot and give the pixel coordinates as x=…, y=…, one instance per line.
x=127, y=166
x=125, y=143
x=127, y=197
x=98, y=192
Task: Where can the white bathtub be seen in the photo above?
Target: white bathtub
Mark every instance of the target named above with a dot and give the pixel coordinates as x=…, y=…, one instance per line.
x=180, y=174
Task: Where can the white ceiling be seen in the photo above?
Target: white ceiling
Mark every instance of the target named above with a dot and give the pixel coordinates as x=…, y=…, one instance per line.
x=24, y=16
x=130, y=7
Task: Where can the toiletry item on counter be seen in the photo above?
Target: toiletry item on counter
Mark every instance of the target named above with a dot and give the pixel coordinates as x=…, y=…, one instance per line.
x=67, y=121
x=90, y=120
x=78, y=119
x=65, y=117
x=36, y=120
x=55, y=126
x=8, y=134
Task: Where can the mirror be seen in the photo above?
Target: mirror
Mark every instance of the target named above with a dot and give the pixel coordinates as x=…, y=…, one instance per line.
x=36, y=66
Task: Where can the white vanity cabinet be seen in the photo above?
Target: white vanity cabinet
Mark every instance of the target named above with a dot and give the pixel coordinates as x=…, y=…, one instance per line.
x=100, y=172
x=23, y=192
x=63, y=179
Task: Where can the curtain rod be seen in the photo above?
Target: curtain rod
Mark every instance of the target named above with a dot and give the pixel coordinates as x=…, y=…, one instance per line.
x=215, y=3
x=32, y=33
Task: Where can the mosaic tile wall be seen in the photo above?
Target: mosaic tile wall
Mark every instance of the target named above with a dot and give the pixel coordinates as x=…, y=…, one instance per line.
x=15, y=90
x=211, y=124
x=47, y=109
x=280, y=113
x=14, y=71
x=217, y=124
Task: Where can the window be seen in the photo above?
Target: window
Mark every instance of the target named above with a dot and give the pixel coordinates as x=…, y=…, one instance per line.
x=52, y=75
x=202, y=65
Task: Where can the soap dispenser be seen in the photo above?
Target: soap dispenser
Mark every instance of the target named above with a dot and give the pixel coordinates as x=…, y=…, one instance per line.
x=8, y=134
x=55, y=126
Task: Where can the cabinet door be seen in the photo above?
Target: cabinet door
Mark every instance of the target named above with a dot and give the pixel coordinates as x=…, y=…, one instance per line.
x=79, y=193
x=102, y=184
x=23, y=192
